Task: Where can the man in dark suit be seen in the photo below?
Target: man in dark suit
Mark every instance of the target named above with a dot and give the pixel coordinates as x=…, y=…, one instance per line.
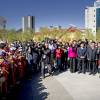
x=81, y=53
x=91, y=57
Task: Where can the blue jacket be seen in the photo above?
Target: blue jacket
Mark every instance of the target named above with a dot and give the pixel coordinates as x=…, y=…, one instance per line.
x=81, y=52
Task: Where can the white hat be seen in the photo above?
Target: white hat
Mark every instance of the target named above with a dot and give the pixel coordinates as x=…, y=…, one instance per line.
x=12, y=44
x=2, y=42
x=12, y=48
x=19, y=50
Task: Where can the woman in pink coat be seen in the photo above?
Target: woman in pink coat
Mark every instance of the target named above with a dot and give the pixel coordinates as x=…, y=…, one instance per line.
x=72, y=54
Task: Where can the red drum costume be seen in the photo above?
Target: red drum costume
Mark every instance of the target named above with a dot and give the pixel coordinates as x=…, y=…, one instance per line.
x=14, y=66
x=20, y=67
x=24, y=61
x=5, y=69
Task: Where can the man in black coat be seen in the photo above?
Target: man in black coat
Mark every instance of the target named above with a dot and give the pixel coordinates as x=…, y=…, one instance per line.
x=45, y=61
x=81, y=53
x=35, y=59
x=91, y=57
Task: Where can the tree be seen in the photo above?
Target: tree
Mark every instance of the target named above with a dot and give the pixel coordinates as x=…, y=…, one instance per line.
x=98, y=35
x=89, y=35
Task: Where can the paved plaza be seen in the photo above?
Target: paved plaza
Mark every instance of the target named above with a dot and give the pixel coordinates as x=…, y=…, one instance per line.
x=62, y=86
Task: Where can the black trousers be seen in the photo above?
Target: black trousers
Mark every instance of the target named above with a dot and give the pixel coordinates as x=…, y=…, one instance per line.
x=43, y=70
x=64, y=65
x=59, y=63
x=35, y=67
x=92, y=67
x=81, y=65
x=72, y=65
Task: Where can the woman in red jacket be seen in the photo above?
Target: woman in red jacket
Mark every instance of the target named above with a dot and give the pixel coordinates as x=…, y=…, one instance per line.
x=58, y=54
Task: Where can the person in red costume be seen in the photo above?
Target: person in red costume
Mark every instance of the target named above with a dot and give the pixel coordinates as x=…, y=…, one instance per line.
x=4, y=70
x=13, y=63
x=20, y=65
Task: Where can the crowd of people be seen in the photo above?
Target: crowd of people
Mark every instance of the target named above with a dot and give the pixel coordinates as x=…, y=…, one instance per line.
x=19, y=60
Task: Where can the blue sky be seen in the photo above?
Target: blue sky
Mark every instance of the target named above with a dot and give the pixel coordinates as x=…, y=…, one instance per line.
x=47, y=12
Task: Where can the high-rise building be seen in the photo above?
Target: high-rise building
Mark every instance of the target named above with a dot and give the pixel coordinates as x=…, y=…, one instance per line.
x=28, y=22
x=2, y=23
x=92, y=17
